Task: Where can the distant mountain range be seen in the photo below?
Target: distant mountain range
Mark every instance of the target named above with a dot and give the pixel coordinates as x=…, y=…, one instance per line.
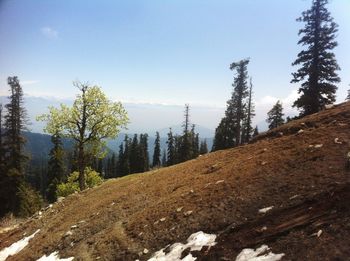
x=144, y=118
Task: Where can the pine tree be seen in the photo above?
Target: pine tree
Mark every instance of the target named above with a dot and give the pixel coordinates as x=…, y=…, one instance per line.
x=156, y=153
x=164, y=158
x=135, y=156
x=249, y=114
x=224, y=135
x=56, y=170
x=125, y=157
x=194, y=143
x=228, y=133
x=348, y=97
x=171, y=149
x=14, y=124
x=275, y=116
x=186, y=146
x=113, y=166
x=318, y=64
x=121, y=158
x=256, y=131
x=144, y=152
x=203, y=148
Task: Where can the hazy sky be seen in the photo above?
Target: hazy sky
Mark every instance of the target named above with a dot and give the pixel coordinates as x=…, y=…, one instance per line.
x=164, y=51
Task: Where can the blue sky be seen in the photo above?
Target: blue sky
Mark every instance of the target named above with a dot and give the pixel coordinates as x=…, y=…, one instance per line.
x=166, y=52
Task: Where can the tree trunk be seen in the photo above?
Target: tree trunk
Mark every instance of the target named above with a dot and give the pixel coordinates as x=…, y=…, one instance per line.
x=81, y=166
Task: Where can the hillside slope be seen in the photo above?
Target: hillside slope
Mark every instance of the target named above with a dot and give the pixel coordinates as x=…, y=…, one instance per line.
x=302, y=174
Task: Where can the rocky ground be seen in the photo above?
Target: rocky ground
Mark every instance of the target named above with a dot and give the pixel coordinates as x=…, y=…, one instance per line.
x=299, y=169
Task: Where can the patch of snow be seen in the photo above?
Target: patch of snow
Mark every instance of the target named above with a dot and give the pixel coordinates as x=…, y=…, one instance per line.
x=264, y=210
x=54, y=257
x=195, y=242
x=262, y=253
x=16, y=247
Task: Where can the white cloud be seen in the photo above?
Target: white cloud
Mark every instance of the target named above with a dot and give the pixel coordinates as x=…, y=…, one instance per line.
x=49, y=32
x=264, y=104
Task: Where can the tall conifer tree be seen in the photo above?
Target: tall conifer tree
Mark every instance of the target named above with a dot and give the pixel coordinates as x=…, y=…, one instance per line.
x=186, y=146
x=229, y=132
x=156, y=153
x=56, y=171
x=171, y=149
x=317, y=73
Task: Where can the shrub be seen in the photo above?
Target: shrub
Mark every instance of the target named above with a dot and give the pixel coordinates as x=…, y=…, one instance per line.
x=29, y=200
x=92, y=179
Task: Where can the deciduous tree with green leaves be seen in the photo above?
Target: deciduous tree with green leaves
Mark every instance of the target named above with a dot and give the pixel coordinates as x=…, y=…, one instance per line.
x=92, y=119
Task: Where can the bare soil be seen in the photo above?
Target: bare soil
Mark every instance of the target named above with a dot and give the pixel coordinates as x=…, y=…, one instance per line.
x=303, y=174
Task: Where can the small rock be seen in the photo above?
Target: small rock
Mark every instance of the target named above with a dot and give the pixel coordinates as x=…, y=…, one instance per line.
x=179, y=209
x=145, y=251
x=68, y=233
x=265, y=149
x=72, y=244
x=317, y=146
x=162, y=219
x=113, y=203
x=40, y=213
x=187, y=213
x=156, y=223
x=140, y=234
x=192, y=191
x=219, y=181
x=81, y=221
x=328, y=106
x=319, y=233
x=74, y=226
x=264, y=210
x=337, y=141
x=280, y=134
x=263, y=163
x=300, y=131
x=293, y=197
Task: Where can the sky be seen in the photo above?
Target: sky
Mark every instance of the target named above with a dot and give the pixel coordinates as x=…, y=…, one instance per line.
x=160, y=52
